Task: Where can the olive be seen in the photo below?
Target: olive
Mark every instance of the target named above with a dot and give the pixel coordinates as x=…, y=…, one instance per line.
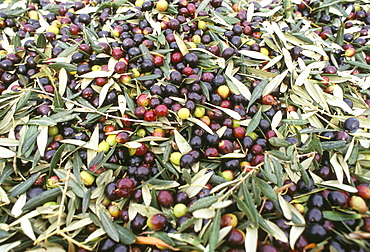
x=351, y=124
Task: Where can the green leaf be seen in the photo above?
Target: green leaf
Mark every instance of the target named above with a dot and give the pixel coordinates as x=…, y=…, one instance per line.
x=41, y=41
x=43, y=121
x=56, y=158
x=245, y=208
x=68, y=51
x=59, y=65
x=16, y=42
x=279, y=155
x=358, y=64
x=267, y=170
x=145, y=51
x=203, y=203
x=109, y=226
x=340, y=34
x=332, y=145
x=76, y=188
x=148, y=77
x=58, y=102
x=278, y=171
x=77, y=164
x=42, y=198
x=252, y=210
x=30, y=139
x=205, y=90
x=353, y=158
x=130, y=102
x=254, y=122
x=190, y=222
x=126, y=236
x=8, y=170
x=216, y=28
x=202, y=5
x=297, y=122
x=164, y=237
x=186, y=175
x=86, y=201
x=213, y=239
x=23, y=187
x=3, y=234
x=23, y=100
x=266, y=189
x=92, y=117
x=278, y=142
x=340, y=216
x=91, y=35
x=64, y=116
x=257, y=92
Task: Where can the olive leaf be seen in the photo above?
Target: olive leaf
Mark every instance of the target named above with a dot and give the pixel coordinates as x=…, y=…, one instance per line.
x=181, y=142
x=6, y=153
x=203, y=203
x=253, y=124
x=23, y=187
x=108, y=226
x=46, y=196
x=215, y=232
x=126, y=236
x=340, y=216
x=251, y=238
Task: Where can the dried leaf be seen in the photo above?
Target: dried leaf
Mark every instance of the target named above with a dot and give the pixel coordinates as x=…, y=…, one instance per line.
x=6, y=153
x=276, y=231
x=78, y=224
x=205, y=213
x=9, y=246
x=8, y=142
x=63, y=79
x=285, y=207
x=201, y=124
x=337, y=168
x=235, y=115
x=146, y=211
x=251, y=239
x=181, y=44
x=197, y=185
x=42, y=139
x=147, y=197
x=181, y=142
x=104, y=91
x=17, y=208
x=254, y=55
x=122, y=104
x=294, y=234
x=340, y=186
